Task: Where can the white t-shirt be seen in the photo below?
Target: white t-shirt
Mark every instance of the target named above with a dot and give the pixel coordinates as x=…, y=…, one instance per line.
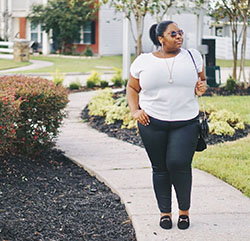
x=161, y=99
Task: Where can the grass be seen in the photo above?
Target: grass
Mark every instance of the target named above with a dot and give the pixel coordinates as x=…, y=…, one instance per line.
x=78, y=64
x=10, y=64
x=85, y=65
x=236, y=104
x=229, y=63
x=228, y=161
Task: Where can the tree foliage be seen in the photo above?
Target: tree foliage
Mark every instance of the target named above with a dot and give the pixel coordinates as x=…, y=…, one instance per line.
x=64, y=18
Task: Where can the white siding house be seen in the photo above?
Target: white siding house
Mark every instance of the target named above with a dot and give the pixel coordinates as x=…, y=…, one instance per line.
x=105, y=35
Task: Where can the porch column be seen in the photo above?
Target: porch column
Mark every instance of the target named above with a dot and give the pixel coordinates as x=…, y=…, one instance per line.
x=45, y=40
x=199, y=28
x=2, y=24
x=10, y=22
x=46, y=44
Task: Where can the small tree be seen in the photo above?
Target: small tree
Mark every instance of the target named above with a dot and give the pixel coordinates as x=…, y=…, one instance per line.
x=64, y=18
x=138, y=9
x=244, y=8
x=228, y=10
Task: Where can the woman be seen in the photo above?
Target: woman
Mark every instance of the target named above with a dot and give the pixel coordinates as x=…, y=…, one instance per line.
x=162, y=95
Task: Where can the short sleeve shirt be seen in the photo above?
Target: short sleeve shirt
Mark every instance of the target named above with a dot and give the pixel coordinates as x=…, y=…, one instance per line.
x=161, y=98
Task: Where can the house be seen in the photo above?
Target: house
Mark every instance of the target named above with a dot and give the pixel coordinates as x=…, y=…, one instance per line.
x=105, y=36
x=14, y=24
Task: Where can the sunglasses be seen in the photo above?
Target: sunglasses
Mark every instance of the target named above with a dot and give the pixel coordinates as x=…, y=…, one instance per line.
x=173, y=34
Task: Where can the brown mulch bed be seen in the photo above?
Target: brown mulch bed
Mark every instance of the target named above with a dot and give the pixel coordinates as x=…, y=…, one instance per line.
x=51, y=198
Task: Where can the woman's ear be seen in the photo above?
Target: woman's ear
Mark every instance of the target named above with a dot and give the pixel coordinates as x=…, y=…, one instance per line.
x=160, y=39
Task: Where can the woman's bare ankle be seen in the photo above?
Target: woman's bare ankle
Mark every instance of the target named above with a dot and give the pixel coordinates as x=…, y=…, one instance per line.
x=168, y=214
x=183, y=212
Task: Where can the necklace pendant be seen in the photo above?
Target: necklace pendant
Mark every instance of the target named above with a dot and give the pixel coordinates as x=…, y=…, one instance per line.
x=170, y=81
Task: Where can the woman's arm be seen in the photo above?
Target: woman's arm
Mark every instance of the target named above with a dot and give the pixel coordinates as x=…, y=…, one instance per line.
x=201, y=85
x=132, y=92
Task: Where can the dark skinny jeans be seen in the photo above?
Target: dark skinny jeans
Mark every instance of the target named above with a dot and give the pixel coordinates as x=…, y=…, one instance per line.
x=170, y=146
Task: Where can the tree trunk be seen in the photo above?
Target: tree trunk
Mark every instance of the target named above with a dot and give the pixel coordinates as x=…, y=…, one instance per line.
x=243, y=52
x=235, y=47
x=244, y=13
x=63, y=47
x=139, y=24
x=139, y=45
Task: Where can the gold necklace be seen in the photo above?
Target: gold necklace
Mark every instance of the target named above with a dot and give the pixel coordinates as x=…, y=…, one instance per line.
x=170, y=70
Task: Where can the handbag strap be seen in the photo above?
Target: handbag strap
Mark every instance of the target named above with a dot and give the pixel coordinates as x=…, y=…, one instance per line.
x=203, y=107
x=193, y=62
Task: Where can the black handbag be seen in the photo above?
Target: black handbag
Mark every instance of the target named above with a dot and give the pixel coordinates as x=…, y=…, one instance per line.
x=203, y=128
x=203, y=133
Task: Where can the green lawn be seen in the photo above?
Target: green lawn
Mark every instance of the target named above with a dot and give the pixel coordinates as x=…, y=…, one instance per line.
x=228, y=161
x=10, y=64
x=85, y=65
x=78, y=65
x=236, y=104
x=229, y=63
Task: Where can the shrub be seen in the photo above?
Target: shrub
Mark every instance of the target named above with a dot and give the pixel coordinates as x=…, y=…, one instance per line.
x=40, y=112
x=221, y=128
x=90, y=84
x=114, y=113
x=9, y=114
x=103, y=104
x=93, y=80
x=230, y=84
x=117, y=78
x=88, y=51
x=75, y=85
x=224, y=122
x=58, y=78
x=104, y=84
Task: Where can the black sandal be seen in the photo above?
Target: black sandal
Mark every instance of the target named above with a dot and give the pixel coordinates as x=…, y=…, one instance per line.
x=183, y=222
x=166, y=222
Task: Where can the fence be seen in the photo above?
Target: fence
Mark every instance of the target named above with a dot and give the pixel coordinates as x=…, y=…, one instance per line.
x=6, y=47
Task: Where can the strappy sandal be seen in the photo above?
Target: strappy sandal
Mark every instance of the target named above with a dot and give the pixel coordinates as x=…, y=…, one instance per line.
x=166, y=222
x=183, y=222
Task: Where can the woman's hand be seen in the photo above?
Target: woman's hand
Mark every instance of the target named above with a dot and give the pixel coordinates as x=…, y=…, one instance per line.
x=200, y=87
x=141, y=116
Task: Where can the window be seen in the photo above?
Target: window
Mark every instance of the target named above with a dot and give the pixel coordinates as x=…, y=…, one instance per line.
x=87, y=33
x=36, y=34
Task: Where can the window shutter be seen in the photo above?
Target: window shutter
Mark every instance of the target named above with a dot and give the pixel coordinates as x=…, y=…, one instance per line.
x=93, y=32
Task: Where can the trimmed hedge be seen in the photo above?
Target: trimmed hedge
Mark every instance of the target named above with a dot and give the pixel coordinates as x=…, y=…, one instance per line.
x=32, y=115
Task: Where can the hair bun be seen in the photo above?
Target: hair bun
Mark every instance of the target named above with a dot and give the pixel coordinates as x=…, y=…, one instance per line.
x=153, y=35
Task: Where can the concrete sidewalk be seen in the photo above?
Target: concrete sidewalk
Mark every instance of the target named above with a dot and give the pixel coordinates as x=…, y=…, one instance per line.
x=219, y=212
x=35, y=64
